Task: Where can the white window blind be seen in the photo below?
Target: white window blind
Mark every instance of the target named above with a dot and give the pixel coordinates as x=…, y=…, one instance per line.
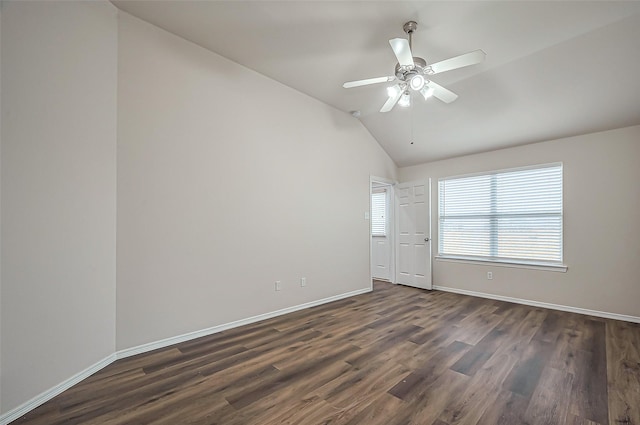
x=512, y=216
x=379, y=213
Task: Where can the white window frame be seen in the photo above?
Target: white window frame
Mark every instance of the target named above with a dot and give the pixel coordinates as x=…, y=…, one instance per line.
x=508, y=262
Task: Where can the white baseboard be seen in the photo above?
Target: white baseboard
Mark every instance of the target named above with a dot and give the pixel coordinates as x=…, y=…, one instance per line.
x=578, y=310
x=41, y=398
x=25, y=408
x=128, y=352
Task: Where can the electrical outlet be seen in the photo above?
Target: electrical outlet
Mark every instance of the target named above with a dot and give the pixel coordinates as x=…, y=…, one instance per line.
x=303, y=281
x=489, y=275
x=278, y=285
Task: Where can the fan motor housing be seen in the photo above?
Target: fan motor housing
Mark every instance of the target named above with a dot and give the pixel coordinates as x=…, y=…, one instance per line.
x=420, y=67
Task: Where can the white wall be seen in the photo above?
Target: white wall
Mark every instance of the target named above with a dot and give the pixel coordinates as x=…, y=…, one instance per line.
x=601, y=223
x=59, y=74
x=227, y=182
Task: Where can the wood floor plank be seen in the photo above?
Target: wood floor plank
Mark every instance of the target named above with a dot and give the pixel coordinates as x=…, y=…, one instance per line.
x=394, y=356
x=476, y=326
x=415, y=383
x=435, y=333
x=550, y=402
x=306, y=412
x=524, y=377
x=551, y=327
x=383, y=410
x=565, y=353
x=623, y=372
x=429, y=401
x=576, y=420
x=476, y=357
x=590, y=392
x=482, y=392
x=364, y=384
x=244, y=398
x=508, y=409
x=390, y=337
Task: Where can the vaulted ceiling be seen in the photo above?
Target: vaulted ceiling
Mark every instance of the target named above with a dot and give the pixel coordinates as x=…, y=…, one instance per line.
x=553, y=68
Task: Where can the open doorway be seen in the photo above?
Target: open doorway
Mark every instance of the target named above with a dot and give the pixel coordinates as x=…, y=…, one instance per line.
x=382, y=230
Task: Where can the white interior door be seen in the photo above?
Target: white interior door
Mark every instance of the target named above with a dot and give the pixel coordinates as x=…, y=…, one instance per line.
x=414, y=234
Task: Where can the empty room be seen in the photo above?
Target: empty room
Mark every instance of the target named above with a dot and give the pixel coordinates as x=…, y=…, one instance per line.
x=319, y=212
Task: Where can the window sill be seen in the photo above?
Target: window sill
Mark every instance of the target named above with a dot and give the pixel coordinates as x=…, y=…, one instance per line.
x=562, y=268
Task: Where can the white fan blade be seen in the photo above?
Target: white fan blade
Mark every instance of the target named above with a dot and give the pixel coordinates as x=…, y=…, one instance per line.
x=366, y=82
x=461, y=61
x=402, y=51
x=445, y=95
x=391, y=102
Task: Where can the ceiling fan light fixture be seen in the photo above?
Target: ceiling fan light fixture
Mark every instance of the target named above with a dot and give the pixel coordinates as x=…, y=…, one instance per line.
x=417, y=82
x=405, y=100
x=413, y=73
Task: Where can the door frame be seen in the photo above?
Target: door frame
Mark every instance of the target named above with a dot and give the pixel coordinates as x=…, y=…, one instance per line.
x=391, y=233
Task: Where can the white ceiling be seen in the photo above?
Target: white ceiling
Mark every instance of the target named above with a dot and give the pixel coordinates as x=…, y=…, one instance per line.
x=553, y=68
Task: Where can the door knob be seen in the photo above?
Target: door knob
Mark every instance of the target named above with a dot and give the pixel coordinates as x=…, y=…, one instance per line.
x=426, y=239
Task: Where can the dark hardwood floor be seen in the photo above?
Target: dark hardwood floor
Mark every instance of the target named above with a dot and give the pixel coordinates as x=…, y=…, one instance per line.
x=397, y=355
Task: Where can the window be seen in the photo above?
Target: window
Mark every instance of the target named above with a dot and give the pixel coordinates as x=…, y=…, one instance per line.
x=379, y=213
x=505, y=216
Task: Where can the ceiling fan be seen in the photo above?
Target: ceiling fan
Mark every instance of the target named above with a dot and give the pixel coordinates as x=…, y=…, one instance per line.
x=412, y=73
